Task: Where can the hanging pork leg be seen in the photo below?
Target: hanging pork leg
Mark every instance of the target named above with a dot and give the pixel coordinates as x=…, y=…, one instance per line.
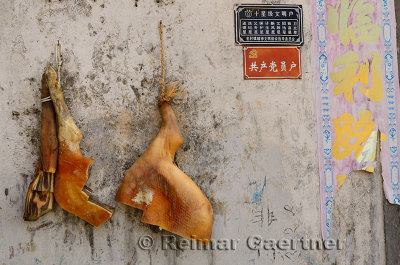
x=72, y=172
x=154, y=184
x=39, y=198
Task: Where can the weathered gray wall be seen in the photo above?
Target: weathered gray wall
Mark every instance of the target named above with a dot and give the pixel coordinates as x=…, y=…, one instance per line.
x=237, y=134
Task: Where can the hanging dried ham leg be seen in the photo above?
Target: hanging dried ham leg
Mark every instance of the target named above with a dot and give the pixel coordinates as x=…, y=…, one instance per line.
x=72, y=172
x=39, y=199
x=154, y=184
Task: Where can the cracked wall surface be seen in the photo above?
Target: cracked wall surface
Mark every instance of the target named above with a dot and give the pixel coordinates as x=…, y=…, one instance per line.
x=251, y=146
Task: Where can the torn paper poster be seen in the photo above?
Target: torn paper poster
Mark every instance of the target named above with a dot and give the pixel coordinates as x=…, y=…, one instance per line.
x=357, y=94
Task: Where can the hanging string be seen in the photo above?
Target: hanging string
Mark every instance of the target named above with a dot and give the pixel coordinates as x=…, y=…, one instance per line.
x=162, y=59
x=43, y=100
x=173, y=90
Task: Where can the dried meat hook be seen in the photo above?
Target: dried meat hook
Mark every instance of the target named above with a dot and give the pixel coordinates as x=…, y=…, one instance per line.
x=59, y=60
x=58, y=63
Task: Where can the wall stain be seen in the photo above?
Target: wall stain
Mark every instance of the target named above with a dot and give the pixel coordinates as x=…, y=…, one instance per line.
x=89, y=235
x=57, y=8
x=109, y=241
x=15, y=115
x=69, y=238
x=165, y=2
x=44, y=225
x=137, y=94
x=217, y=206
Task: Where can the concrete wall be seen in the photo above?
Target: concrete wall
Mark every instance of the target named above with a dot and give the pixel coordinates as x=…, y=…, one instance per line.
x=239, y=135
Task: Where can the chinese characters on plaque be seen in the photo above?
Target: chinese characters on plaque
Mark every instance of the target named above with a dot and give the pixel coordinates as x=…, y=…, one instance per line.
x=269, y=24
x=271, y=62
x=277, y=32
